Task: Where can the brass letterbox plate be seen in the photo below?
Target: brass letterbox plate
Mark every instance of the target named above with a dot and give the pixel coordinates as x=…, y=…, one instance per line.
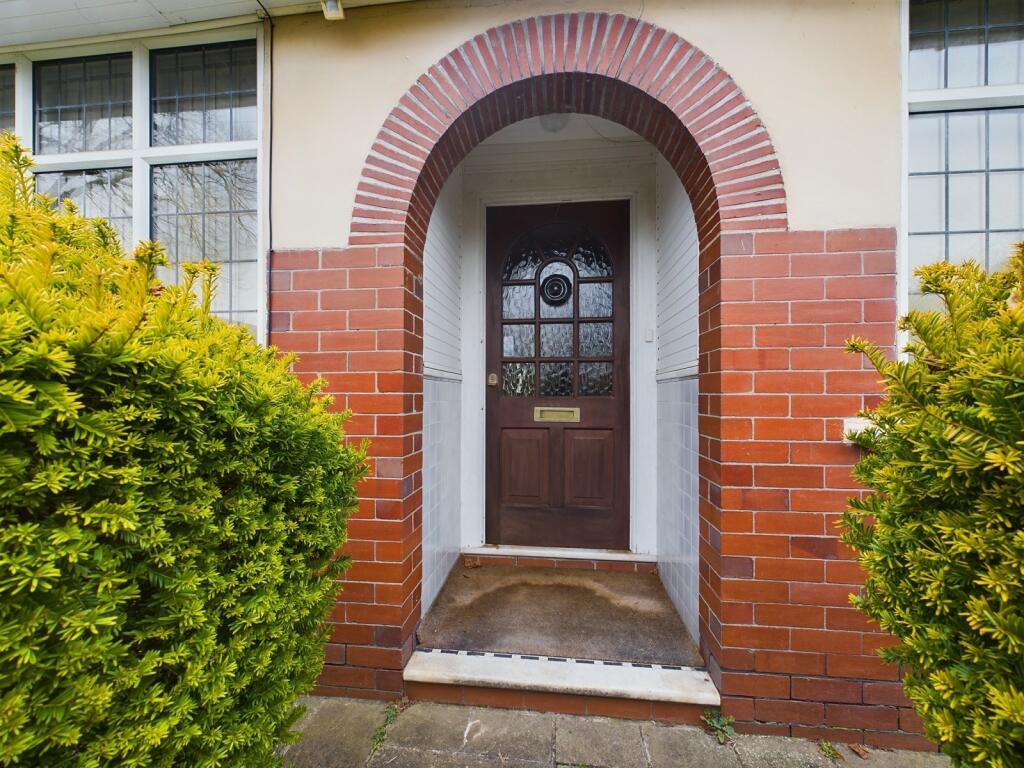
x=556, y=414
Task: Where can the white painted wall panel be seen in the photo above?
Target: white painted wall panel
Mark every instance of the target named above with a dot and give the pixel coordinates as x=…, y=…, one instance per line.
x=678, y=518
x=442, y=403
x=678, y=455
x=677, y=275
x=442, y=283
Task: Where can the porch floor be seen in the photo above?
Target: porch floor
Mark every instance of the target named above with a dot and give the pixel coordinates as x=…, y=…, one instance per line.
x=601, y=615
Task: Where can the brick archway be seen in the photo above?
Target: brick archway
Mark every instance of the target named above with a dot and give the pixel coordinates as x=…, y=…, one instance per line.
x=612, y=66
x=780, y=640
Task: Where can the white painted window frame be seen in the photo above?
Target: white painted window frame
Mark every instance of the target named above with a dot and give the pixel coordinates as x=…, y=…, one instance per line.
x=141, y=156
x=935, y=100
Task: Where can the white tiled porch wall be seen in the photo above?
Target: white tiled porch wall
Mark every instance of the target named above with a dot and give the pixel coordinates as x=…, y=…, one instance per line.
x=441, y=483
x=678, y=515
x=442, y=390
x=678, y=523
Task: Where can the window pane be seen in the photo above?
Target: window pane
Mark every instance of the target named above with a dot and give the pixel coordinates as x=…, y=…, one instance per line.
x=1006, y=138
x=517, y=379
x=967, y=202
x=517, y=340
x=1007, y=200
x=965, y=59
x=926, y=14
x=967, y=141
x=1000, y=246
x=204, y=94
x=517, y=302
x=1006, y=12
x=208, y=211
x=7, y=97
x=595, y=379
x=83, y=104
x=927, y=143
x=967, y=248
x=555, y=340
x=104, y=193
x=556, y=379
x=927, y=203
x=966, y=13
x=1005, y=56
x=927, y=59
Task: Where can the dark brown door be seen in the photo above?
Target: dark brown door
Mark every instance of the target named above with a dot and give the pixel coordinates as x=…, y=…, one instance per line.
x=558, y=375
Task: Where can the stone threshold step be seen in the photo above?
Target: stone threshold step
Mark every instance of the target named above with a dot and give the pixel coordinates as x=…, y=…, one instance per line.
x=549, y=674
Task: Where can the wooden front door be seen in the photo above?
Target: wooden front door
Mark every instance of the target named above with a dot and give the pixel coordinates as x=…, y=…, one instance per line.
x=558, y=375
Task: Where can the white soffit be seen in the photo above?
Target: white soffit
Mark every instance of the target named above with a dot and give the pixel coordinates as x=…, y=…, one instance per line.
x=35, y=22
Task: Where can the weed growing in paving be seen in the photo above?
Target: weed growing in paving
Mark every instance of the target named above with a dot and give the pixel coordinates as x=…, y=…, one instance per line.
x=719, y=725
x=828, y=750
x=380, y=733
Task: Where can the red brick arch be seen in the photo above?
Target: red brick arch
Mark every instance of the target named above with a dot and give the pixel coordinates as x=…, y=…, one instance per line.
x=787, y=652
x=613, y=66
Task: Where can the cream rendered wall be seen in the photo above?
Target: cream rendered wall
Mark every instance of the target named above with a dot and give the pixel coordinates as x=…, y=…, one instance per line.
x=824, y=75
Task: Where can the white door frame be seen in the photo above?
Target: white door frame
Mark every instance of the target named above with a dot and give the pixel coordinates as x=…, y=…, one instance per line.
x=545, y=172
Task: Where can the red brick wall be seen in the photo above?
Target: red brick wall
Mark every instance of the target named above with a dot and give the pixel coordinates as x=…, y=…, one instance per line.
x=788, y=653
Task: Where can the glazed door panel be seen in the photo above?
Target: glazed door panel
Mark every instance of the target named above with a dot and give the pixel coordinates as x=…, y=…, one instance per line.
x=558, y=375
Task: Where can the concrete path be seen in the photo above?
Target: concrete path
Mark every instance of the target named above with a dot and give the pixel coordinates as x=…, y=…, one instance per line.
x=347, y=733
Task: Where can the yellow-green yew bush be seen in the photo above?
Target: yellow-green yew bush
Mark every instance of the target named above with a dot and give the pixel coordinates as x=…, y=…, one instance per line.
x=171, y=501
x=942, y=535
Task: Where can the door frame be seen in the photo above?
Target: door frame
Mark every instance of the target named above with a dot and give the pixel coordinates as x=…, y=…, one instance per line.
x=538, y=173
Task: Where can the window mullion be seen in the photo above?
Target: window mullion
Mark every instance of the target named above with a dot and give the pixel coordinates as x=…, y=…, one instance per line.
x=23, y=107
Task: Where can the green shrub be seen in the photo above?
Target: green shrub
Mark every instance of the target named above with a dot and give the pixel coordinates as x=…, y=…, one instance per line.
x=942, y=534
x=171, y=502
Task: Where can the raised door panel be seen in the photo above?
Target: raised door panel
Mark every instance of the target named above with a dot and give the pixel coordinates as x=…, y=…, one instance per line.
x=525, y=463
x=589, y=467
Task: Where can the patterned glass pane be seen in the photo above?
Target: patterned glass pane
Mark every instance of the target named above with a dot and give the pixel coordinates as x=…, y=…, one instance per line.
x=556, y=379
x=595, y=339
x=556, y=280
x=556, y=240
x=83, y=104
x=517, y=379
x=556, y=340
x=595, y=300
x=204, y=94
x=517, y=340
x=517, y=302
x=591, y=258
x=522, y=261
x=595, y=378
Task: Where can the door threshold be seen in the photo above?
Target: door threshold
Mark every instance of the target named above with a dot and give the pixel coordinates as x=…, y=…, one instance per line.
x=554, y=675
x=557, y=553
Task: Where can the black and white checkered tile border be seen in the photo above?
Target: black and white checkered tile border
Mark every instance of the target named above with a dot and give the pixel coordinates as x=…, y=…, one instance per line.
x=555, y=659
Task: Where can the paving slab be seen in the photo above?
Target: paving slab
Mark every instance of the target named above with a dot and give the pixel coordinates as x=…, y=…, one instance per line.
x=884, y=758
x=780, y=752
x=336, y=733
x=393, y=757
x=599, y=743
x=682, y=746
x=502, y=733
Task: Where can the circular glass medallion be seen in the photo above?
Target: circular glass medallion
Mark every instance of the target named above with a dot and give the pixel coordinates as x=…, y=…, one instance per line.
x=556, y=289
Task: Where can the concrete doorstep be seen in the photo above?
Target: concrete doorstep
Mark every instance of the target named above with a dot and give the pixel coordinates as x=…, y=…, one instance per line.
x=350, y=733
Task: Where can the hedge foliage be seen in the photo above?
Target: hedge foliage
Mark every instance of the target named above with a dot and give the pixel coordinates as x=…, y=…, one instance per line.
x=171, y=502
x=942, y=534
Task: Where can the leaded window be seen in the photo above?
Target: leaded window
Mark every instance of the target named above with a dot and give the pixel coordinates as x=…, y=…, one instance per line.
x=966, y=43
x=83, y=104
x=204, y=94
x=208, y=211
